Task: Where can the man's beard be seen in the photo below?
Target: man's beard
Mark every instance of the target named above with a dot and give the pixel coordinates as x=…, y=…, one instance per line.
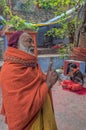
x=29, y=50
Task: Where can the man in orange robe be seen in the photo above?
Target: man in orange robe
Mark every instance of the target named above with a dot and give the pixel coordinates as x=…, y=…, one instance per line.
x=25, y=89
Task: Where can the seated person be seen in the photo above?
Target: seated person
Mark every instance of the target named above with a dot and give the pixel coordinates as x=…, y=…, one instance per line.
x=76, y=80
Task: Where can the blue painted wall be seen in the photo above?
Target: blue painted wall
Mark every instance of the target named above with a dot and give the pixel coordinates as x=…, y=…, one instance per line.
x=45, y=60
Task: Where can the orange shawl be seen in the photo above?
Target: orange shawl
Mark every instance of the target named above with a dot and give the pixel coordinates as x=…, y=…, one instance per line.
x=24, y=89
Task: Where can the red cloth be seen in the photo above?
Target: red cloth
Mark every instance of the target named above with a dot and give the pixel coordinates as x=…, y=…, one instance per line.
x=13, y=41
x=71, y=85
x=56, y=47
x=80, y=92
x=23, y=89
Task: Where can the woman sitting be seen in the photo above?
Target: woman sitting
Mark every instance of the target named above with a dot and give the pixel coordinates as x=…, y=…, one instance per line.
x=76, y=80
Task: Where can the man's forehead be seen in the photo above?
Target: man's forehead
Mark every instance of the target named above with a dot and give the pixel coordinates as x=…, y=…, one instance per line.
x=26, y=35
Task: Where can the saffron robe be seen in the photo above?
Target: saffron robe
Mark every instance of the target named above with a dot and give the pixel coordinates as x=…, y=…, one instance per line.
x=24, y=90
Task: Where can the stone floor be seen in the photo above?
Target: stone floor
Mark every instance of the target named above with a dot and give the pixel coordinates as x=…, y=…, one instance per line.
x=70, y=110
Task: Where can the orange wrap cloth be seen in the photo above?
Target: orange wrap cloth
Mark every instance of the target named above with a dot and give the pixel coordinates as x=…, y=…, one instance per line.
x=24, y=89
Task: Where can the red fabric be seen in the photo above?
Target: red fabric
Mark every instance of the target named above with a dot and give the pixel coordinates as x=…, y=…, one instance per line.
x=80, y=92
x=56, y=47
x=23, y=90
x=71, y=85
x=14, y=39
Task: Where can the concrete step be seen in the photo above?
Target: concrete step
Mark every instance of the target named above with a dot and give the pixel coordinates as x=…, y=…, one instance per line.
x=46, y=51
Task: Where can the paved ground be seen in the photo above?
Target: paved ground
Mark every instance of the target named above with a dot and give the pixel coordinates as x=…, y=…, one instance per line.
x=70, y=110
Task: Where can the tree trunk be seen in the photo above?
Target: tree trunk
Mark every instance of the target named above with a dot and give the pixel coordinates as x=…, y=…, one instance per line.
x=79, y=52
x=82, y=40
x=82, y=31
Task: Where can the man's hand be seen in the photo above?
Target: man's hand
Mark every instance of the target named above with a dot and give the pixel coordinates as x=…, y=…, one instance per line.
x=52, y=76
x=70, y=74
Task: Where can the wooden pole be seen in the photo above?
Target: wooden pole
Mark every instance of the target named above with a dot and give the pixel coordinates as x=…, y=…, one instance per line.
x=10, y=4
